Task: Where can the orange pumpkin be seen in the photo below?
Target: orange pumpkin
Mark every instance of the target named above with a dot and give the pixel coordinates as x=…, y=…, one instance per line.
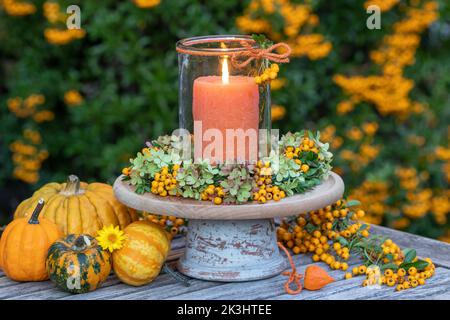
x=77, y=207
x=24, y=245
x=144, y=252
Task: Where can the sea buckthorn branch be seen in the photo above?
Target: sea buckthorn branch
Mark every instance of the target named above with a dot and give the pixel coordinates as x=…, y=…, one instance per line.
x=334, y=233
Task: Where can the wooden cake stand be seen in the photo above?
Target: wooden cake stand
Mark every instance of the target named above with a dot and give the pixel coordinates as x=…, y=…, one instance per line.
x=232, y=242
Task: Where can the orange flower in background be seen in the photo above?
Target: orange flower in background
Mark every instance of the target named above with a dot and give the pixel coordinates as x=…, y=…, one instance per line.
x=261, y=17
x=73, y=98
x=27, y=157
x=344, y=107
x=24, y=108
x=52, y=12
x=277, y=112
x=43, y=116
x=277, y=84
x=370, y=128
x=146, y=4
x=62, y=37
x=384, y=5
x=18, y=8
x=389, y=91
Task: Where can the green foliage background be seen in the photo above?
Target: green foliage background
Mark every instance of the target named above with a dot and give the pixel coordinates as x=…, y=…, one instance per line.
x=126, y=69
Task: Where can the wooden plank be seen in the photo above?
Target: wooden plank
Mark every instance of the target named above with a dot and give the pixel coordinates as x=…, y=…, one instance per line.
x=46, y=290
x=438, y=251
x=150, y=292
x=261, y=289
x=164, y=287
x=352, y=289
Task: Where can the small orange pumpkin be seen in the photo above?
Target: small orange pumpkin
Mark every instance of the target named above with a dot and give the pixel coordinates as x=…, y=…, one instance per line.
x=24, y=245
x=144, y=251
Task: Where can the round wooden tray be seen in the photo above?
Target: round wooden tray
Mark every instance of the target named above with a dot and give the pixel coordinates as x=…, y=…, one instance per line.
x=322, y=195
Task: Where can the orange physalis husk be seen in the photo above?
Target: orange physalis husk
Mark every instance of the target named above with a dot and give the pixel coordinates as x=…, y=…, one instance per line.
x=316, y=278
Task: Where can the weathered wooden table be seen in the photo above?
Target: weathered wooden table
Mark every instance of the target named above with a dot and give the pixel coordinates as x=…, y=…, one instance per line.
x=165, y=287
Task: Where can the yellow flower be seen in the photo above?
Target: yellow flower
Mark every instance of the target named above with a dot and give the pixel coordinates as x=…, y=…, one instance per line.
x=111, y=238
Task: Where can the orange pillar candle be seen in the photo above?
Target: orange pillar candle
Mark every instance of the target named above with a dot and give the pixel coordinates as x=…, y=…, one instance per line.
x=221, y=103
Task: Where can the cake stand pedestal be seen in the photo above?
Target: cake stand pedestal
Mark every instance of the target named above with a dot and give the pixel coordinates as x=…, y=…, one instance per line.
x=232, y=242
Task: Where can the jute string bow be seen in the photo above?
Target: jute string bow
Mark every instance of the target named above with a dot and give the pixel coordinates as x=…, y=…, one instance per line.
x=258, y=53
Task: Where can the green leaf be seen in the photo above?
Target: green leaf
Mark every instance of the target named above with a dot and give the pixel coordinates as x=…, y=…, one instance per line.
x=343, y=241
x=419, y=265
x=409, y=254
x=389, y=265
x=310, y=227
x=353, y=203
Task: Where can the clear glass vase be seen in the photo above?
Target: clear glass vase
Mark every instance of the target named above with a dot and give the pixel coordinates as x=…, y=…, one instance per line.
x=219, y=100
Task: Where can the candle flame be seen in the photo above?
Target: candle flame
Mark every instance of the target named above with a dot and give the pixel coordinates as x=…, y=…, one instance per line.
x=225, y=72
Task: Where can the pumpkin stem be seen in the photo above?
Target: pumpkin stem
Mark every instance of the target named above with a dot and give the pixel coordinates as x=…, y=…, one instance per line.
x=80, y=243
x=72, y=186
x=35, y=215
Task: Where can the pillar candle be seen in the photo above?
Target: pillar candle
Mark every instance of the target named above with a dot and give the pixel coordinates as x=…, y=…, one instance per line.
x=221, y=104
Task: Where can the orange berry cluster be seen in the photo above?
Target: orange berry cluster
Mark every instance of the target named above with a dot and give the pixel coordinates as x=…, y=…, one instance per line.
x=73, y=98
x=292, y=152
x=401, y=278
x=213, y=193
x=171, y=224
x=268, y=74
x=165, y=182
x=62, y=37
x=389, y=247
x=27, y=157
x=408, y=279
x=18, y=8
x=313, y=235
x=264, y=190
x=146, y=4
x=27, y=107
x=52, y=12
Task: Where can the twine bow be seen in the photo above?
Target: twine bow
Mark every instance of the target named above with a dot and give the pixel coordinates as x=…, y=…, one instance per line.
x=258, y=53
x=294, y=277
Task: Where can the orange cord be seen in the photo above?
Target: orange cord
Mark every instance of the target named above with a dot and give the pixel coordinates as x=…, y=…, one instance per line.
x=294, y=277
x=258, y=53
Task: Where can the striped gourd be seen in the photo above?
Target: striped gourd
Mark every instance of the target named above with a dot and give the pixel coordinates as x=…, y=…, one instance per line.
x=140, y=259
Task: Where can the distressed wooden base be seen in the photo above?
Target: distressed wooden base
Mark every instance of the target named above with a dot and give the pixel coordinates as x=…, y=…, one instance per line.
x=227, y=250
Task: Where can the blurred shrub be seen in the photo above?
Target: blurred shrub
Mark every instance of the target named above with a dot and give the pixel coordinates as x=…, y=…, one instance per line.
x=84, y=101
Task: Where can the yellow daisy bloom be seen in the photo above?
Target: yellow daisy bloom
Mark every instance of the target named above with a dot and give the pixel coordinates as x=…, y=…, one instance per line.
x=111, y=238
